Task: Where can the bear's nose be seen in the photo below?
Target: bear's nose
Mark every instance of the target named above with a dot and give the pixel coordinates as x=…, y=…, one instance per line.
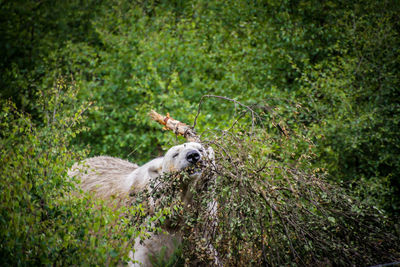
x=193, y=156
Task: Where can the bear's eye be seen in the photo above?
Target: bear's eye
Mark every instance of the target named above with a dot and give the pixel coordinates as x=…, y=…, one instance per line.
x=175, y=155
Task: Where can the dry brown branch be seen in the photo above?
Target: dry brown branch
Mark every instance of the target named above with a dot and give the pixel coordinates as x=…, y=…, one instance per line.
x=179, y=128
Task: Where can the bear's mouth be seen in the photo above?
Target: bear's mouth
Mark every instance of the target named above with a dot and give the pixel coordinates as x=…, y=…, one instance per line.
x=196, y=169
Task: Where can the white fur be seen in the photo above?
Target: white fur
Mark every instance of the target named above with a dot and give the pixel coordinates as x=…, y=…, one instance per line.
x=105, y=176
x=174, y=160
x=111, y=177
x=140, y=178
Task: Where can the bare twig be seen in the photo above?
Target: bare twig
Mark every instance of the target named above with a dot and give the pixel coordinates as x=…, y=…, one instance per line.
x=253, y=113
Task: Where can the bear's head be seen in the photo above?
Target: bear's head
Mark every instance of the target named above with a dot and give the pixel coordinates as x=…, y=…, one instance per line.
x=189, y=156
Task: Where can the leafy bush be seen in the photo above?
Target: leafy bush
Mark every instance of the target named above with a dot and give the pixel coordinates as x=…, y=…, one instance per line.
x=32, y=37
x=274, y=207
x=352, y=97
x=42, y=221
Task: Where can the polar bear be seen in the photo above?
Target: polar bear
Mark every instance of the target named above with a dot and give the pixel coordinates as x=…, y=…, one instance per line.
x=115, y=178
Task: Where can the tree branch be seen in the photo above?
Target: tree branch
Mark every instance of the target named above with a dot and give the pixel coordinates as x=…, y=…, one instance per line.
x=179, y=128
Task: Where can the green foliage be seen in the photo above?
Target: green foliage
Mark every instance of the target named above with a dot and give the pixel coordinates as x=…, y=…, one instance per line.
x=32, y=35
x=160, y=261
x=353, y=99
x=328, y=68
x=319, y=55
x=43, y=221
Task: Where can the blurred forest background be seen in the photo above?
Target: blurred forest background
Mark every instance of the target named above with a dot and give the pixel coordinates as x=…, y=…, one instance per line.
x=78, y=78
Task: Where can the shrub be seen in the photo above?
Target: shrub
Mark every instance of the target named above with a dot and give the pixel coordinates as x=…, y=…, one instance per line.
x=274, y=206
x=42, y=222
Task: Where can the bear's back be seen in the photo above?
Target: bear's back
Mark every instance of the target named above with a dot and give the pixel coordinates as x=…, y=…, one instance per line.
x=105, y=176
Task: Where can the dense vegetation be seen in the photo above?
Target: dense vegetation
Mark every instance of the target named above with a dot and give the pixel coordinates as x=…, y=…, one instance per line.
x=326, y=72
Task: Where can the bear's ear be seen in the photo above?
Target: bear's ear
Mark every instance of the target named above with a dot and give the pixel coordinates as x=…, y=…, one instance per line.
x=155, y=169
x=153, y=172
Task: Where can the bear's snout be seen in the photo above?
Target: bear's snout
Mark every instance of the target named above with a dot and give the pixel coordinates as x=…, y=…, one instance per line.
x=193, y=156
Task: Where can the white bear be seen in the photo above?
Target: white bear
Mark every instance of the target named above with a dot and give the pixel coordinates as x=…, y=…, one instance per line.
x=110, y=177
